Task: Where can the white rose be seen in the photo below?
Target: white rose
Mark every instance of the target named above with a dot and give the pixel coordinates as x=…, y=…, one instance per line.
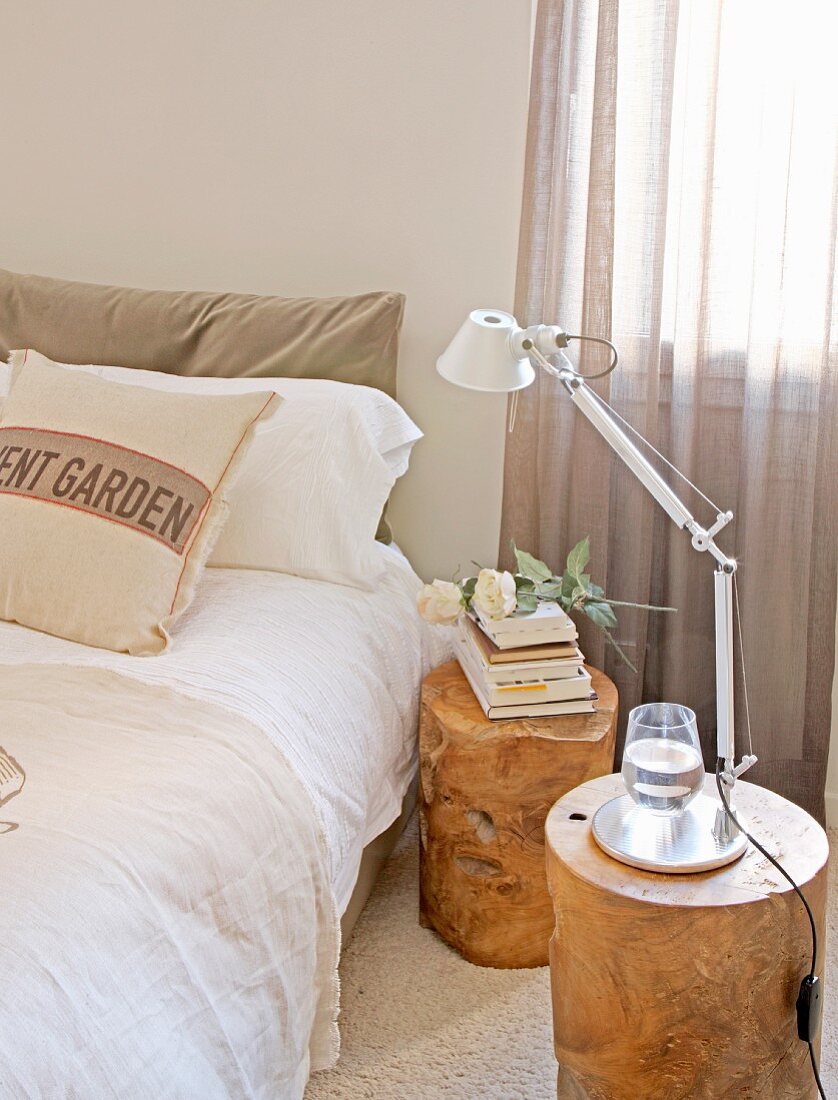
x=494, y=593
x=440, y=602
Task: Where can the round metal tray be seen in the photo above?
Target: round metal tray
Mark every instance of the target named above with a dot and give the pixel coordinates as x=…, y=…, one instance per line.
x=679, y=845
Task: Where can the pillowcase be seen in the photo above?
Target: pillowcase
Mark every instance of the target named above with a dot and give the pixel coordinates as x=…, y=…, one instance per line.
x=110, y=500
x=206, y=333
x=313, y=485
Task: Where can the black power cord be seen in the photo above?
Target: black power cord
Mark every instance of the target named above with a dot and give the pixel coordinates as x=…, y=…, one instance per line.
x=809, y=1002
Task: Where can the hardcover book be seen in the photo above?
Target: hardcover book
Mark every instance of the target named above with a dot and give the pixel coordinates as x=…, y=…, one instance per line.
x=547, y=616
x=521, y=649
x=518, y=710
x=499, y=666
x=548, y=624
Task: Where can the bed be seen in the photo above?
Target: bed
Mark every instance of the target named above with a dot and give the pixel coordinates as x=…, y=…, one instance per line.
x=193, y=828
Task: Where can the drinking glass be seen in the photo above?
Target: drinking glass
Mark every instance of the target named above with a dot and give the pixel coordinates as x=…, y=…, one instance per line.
x=663, y=769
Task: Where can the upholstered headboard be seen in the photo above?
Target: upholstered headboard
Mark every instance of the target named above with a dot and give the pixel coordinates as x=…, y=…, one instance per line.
x=194, y=332
x=203, y=333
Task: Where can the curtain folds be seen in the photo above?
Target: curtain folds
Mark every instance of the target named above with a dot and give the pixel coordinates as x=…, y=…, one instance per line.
x=680, y=198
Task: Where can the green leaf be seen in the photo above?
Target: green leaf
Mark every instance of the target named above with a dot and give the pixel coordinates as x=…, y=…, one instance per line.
x=531, y=567
x=554, y=594
x=595, y=592
x=527, y=601
x=578, y=593
x=467, y=588
x=600, y=613
x=579, y=557
x=568, y=584
x=524, y=584
x=550, y=590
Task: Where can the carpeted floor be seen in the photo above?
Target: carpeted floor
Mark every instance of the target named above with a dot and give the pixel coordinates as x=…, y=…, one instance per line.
x=418, y=1022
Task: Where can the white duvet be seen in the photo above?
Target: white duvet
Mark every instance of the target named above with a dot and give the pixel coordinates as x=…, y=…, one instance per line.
x=323, y=681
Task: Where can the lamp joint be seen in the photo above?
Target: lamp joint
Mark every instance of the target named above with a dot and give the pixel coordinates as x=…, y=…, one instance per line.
x=546, y=339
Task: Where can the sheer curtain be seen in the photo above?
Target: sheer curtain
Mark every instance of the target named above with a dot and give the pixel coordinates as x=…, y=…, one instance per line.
x=680, y=198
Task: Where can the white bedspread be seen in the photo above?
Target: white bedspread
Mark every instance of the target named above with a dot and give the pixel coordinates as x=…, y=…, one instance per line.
x=330, y=675
x=167, y=927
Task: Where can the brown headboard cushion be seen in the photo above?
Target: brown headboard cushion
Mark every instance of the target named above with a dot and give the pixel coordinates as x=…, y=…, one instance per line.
x=196, y=332
x=200, y=332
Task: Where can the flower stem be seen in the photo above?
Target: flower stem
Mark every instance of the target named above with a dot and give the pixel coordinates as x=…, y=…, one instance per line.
x=628, y=603
x=612, y=641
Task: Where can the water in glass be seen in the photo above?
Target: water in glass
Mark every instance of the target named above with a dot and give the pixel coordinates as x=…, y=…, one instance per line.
x=663, y=768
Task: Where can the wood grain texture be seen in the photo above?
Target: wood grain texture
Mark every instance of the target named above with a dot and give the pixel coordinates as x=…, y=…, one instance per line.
x=676, y=986
x=486, y=788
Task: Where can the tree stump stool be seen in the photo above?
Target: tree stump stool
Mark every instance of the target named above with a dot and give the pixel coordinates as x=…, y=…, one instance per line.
x=486, y=788
x=671, y=986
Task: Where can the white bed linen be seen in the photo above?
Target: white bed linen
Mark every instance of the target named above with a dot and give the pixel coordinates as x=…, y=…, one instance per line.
x=168, y=927
x=329, y=673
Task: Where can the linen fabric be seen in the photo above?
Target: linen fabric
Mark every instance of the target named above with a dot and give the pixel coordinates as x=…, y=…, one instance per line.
x=173, y=931
x=349, y=339
x=312, y=486
x=330, y=673
x=197, y=929
x=694, y=225
x=110, y=500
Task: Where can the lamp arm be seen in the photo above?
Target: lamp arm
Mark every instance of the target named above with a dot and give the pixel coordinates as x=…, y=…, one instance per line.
x=664, y=494
x=702, y=539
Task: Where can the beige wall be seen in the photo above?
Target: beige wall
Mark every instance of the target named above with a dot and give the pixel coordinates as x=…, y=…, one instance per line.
x=322, y=147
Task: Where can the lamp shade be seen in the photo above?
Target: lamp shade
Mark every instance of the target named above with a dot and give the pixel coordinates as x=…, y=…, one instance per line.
x=481, y=357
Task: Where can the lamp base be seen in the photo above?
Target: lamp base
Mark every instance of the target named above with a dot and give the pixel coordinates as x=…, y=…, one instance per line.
x=681, y=845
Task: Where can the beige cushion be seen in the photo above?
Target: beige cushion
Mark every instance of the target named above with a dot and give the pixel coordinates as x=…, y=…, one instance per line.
x=111, y=497
x=194, y=332
x=351, y=339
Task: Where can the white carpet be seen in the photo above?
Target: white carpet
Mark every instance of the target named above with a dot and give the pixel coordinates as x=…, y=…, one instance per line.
x=418, y=1022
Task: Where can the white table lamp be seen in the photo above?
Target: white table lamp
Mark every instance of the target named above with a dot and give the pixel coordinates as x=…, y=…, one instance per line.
x=493, y=354
x=482, y=356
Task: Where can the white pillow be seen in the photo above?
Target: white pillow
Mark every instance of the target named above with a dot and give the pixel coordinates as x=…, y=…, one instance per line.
x=312, y=487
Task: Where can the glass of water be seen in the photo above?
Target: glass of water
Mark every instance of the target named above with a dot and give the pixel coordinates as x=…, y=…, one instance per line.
x=663, y=769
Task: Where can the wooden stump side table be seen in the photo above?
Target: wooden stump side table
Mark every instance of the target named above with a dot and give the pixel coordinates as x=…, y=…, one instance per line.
x=682, y=986
x=486, y=788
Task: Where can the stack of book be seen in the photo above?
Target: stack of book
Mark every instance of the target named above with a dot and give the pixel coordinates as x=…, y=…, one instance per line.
x=525, y=666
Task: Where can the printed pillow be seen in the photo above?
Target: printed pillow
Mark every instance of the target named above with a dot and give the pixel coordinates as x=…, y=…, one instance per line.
x=111, y=498
x=312, y=487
